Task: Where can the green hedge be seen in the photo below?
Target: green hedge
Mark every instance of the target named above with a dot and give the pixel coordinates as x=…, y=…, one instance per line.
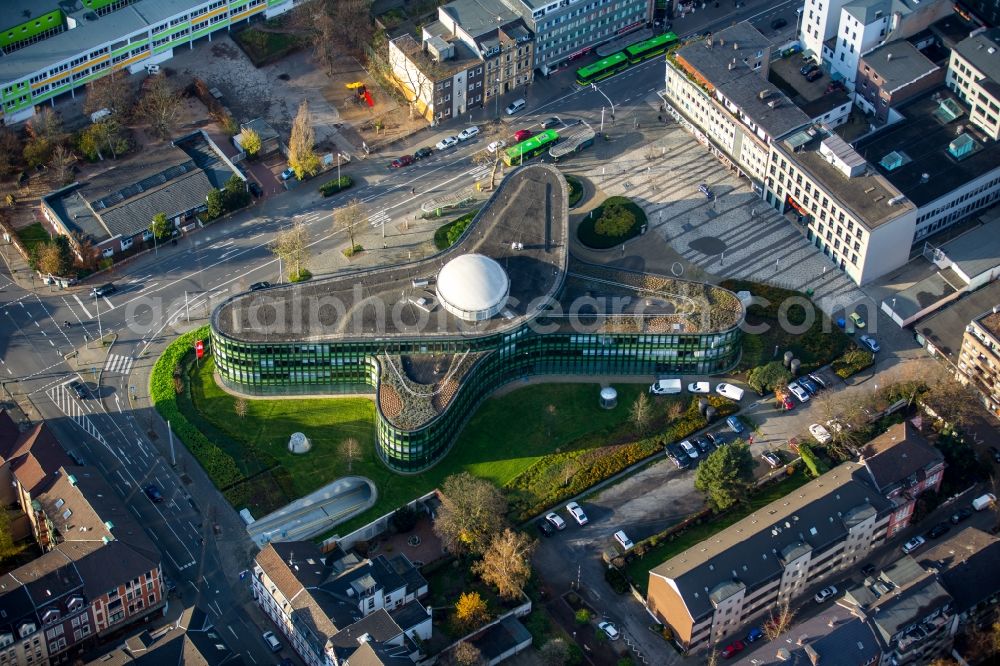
x=852, y=362
x=608, y=214
x=219, y=465
x=330, y=188
x=812, y=463
x=448, y=234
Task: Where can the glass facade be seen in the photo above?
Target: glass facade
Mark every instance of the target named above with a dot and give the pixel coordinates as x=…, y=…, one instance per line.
x=290, y=368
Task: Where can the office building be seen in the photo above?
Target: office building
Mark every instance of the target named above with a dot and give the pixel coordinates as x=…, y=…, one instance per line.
x=434, y=337
x=714, y=589
x=62, y=50
x=891, y=75
x=335, y=609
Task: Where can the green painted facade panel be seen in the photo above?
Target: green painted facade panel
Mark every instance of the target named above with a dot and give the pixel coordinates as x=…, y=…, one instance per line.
x=36, y=25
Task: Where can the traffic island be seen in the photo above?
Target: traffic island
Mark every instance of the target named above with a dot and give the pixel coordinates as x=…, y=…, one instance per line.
x=615, y=221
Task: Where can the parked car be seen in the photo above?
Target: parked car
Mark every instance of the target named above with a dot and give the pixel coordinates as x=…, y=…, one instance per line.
x=576, y=511
x=704, y=189
x=816, y=378
x=735, y=424
x=522, y=135
x=104, y=290
x=285, y=175
x=678, y=457
x=401, y=161
x=729, y=391
x=704, y=445
x=556, y=521
x=78, y=389
x=496, y=145
x=255, y=189
x=551, y=122
x=732, y=650
x=610, y=630
x=272, y=641
x=446, y=142
x=778, y=24
x=699, y=387
x=813, y=75
x=515, y=106
x=798, y=392
x=771, y=458
x=153, y=493
x=689, y=449
x=869, y=341
x=961, y=515
x=858, y=320
x=665, y=387
x=421, y=153
x=938, y=530
x=809, y=385
x=468, y=133
x=754, y=635
x=913, y=544
x=545, y=527
x=808, y=67
x=984, y=501
x=786, y=403
x=257, y=286
x=821, y=434
x=825, y=593
x=623, y=540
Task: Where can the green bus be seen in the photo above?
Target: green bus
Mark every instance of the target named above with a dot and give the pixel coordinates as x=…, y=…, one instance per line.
x=529, y=148
x=651, y=47
x=602, y=69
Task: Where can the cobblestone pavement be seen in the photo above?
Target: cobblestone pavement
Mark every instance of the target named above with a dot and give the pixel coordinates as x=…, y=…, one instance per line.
x=735, y=234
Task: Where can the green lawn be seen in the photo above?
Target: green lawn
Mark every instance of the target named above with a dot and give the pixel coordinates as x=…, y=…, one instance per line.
x=638, y=568
x=492, y=446
x=32, y=235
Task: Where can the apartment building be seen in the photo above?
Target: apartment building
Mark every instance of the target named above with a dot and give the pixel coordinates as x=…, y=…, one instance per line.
x=60, y=50
x=966, y=564
x=863, y=25
x=336, y=609
x=720, y=85
x=567, y=29
x=974, y=75
x=901, y=465
x=979, y=361
x=712, y=590
x=891, y=75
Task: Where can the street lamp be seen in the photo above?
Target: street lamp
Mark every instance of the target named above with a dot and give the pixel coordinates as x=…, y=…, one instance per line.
x=496, y=96
x=594, y=87
x=100, y=331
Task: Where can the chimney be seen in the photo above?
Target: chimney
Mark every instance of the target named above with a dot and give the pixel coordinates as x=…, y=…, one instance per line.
x=801, y=640
x=924, y=177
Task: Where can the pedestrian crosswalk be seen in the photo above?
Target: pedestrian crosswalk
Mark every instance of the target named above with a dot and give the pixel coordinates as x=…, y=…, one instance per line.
x=118, y=364
x=70, y=405
x=378, y=219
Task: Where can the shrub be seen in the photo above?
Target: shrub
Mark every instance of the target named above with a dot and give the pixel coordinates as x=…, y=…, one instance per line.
x=616, y=579
x=303, y=275
x=219, y=465
x=330, y=188
x=448, y=234
x=812, y=463
x=404, y=519
x=582, y=616
x=353, y=250
x=852, y=362
x=766, y=378
x=575, y=190
x=615, y=221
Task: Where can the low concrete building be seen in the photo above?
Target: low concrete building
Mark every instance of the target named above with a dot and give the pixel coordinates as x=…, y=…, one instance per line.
x=891, y=75
x=716, y=587
x=337, y=609
x=902, y=464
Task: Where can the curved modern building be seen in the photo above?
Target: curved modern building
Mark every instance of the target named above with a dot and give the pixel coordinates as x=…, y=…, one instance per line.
x=434, y=337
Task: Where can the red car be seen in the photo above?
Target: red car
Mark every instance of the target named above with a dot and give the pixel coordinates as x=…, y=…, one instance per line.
x=732, y=649
x=405, y=160
x=785, y=403
x=521, y=135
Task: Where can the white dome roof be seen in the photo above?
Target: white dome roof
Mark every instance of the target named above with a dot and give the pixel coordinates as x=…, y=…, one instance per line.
x=473, y=287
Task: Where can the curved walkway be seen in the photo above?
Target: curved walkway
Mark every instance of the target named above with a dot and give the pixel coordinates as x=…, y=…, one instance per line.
x=317, y=512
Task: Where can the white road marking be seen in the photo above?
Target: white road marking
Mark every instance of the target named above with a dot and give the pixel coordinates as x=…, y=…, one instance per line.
x=83, y=307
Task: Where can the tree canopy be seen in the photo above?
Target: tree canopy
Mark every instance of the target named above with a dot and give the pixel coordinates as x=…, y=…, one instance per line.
x=726, y=475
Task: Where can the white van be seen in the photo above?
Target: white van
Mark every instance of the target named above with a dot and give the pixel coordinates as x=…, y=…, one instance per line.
x=515, y=106
x=665, y=387
x=730, y=391
x=984, y=501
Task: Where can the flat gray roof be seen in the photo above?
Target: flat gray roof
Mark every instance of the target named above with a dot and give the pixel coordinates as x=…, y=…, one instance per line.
x=745, y=92
x=976, y=251
x=945, y=329
x=923, y=294
x=478, y=17
x=16, y=12
x=898, y=63
x=712, y=57
x=976, y=50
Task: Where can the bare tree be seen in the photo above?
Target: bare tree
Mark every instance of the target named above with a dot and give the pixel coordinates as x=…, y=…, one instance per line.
x=112, y=92
x=554, y=653
x=471, y=514
x=291, y=247
x=465, y=654
x=954, y=402
x=302, y=157
x=47, y=124
x=10, y=148
x=61, y=165
x=779, y=620
x=160, y=106
x=350, y=451
x=493, y=132
x=347, y=217
x=506, y=564
x=241, y=407
x=641, y=413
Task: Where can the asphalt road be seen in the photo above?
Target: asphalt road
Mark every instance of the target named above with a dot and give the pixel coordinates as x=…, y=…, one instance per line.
x=204, y=545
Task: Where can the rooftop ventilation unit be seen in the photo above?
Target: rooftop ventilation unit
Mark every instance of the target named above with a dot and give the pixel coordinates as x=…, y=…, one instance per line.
x=962, y=147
